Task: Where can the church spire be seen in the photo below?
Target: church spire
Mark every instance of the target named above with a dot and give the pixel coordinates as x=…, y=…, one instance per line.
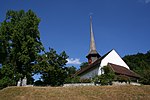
x=92, y=42
x=93, y=55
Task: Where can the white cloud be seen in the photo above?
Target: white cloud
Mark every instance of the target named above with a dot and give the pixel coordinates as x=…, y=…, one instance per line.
x=75, y=61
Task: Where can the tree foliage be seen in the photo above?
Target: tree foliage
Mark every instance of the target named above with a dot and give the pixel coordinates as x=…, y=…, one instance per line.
x=20, y=49
x=140, y=63
x=19, y=44
x=83, y=65
x=52, y=67
x=71, y=71
x=106, y=78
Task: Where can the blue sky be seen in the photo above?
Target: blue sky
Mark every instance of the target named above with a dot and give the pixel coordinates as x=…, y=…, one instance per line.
x=123, y=25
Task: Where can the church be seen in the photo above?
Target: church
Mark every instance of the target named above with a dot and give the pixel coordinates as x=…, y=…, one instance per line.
x=96, y=62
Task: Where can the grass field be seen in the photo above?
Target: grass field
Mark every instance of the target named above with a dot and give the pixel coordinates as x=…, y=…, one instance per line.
x=77, y=93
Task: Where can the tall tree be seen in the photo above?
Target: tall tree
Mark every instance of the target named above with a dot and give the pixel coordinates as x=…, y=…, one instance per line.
x=20, y=42
x=70, y=72
x=52, y=67
x=83, y=65
x=140, y=63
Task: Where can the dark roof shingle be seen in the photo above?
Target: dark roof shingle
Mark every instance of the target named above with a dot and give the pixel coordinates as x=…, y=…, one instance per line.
x=122, y=70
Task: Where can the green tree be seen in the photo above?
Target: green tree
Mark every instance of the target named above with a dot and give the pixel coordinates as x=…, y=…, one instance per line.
x=83, y=65
x=140, y=63
x=70, y=72
x=20, y=42
x=106, y=78
x=52, y=67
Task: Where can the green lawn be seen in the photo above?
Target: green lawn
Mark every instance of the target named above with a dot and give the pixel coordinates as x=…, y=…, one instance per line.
x=77, y=93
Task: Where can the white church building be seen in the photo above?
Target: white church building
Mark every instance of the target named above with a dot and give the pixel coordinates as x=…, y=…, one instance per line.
x=97, y=62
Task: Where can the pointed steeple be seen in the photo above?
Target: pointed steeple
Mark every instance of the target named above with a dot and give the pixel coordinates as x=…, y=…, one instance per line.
x=93, y=55
x=92, y=42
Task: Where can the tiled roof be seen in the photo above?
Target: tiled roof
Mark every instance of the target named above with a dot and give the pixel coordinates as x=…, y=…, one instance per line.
x=88, y=67
x=93, y=65
x=116, y=68
x=122, y=70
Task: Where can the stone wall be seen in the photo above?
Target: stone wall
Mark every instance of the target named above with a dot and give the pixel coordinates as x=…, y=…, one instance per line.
x=124, y=83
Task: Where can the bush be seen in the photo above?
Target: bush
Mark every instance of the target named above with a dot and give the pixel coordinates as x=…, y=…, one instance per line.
x=38, y=83
x=122, y=78
x=77, y=80
x=5, y=81
x=102, y=80
x=85, y=81
x=72, y=80
x=106, y=78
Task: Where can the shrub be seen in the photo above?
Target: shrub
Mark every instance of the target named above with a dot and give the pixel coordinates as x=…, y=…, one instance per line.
x=106, y=78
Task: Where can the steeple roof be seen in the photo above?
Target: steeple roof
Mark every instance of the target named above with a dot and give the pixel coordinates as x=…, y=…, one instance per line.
x=92, y=41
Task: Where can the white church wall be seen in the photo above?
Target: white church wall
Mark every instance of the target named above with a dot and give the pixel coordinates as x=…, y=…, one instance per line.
x=114, y=58
x=90, y=74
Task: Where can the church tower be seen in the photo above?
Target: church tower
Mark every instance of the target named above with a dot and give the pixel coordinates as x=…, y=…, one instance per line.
x=93, y=54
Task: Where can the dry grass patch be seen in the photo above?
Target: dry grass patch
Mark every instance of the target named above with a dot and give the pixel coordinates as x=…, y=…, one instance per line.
x=77, y=93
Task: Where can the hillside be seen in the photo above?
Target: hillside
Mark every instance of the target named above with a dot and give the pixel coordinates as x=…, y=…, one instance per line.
x=140, y=63
x=76, y=93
